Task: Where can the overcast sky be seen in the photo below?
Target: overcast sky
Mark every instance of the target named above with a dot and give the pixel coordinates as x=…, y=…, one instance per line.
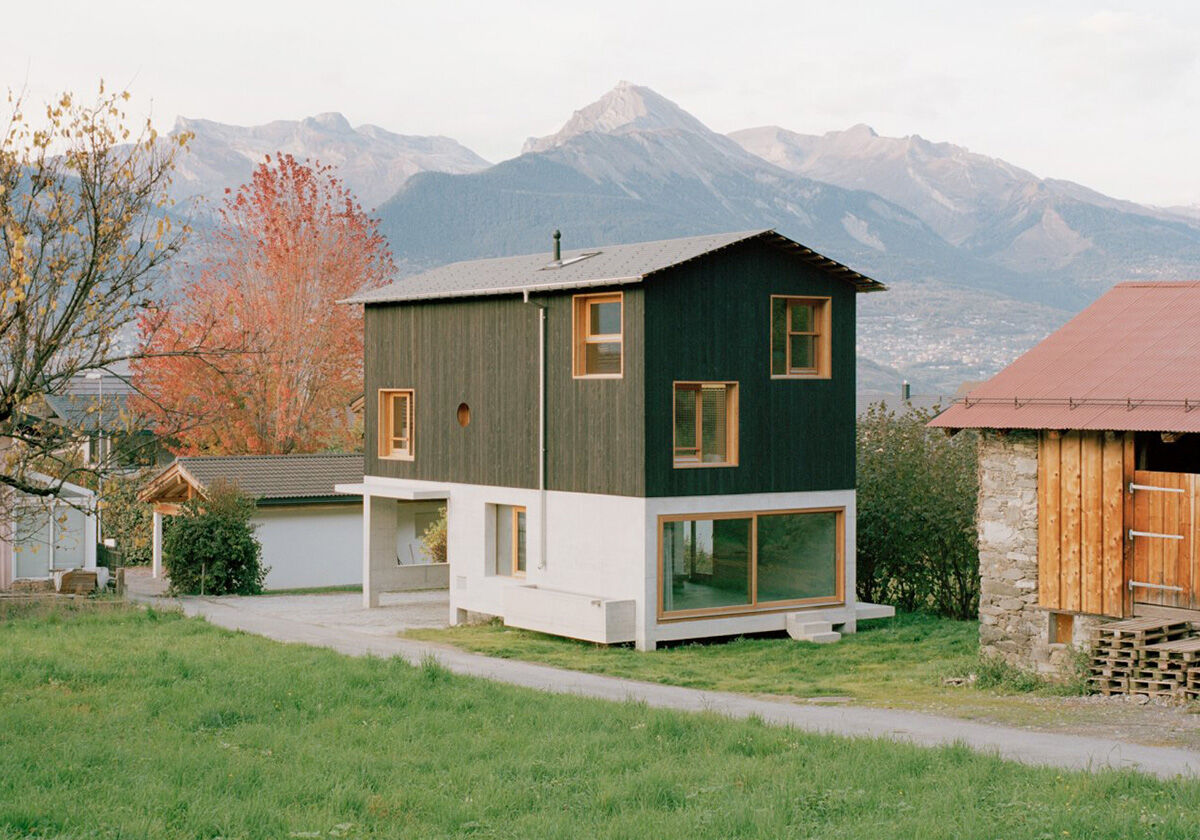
x=1107, y=95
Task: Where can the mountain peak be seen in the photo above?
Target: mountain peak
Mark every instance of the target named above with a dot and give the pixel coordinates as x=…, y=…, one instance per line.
x=331, y=121
x=627, y=107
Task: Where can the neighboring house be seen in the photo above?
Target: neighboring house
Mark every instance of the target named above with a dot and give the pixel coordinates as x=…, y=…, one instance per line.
x=1089, y=468
x=639, y=443
x=96, y=403
x=310, y=534
x=41, y=537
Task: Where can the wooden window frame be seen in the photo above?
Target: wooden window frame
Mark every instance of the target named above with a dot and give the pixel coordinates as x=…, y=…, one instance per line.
x=517, y=510
x=822, y=320
x=582, y=336
x=755, y=606
x=731, y=426
x=388, y=449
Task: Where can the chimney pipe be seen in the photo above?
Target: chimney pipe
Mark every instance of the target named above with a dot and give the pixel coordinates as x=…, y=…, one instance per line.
x=557, y=246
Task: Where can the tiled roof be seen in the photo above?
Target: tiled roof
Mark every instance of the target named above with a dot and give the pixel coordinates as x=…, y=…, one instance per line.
x=605, y=265
x=269, y=477
x=1129, y=362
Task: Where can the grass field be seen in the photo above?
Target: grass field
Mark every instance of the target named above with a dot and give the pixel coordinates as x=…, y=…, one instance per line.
x=130, y=724
x=890, y=661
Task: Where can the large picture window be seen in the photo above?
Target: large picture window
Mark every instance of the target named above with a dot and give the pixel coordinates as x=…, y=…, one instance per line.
x=599, y=336
x=800, y=338
x=396, y=424
x=706, y=424
x=738, y=562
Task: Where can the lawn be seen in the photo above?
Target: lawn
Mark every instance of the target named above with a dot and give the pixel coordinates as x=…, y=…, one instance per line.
x=888, y=661
x=138, y=724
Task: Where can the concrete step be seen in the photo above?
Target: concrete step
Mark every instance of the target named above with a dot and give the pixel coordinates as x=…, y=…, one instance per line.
x=821, y=632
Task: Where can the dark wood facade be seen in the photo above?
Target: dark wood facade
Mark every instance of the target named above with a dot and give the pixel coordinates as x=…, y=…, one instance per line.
x=708, y=319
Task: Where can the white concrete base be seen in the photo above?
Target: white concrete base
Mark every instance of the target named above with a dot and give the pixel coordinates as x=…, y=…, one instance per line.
x=602, y=620
x=865, y=611
x=591, y=567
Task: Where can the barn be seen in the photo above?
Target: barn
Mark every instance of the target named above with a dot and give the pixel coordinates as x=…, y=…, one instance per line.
x=1089, y=468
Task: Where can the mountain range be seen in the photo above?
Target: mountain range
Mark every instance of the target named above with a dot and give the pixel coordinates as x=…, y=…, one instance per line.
x=983, y=258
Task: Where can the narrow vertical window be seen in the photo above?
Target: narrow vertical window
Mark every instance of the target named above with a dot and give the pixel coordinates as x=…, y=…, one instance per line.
x=396, y=424
x=705, y=424
x=800, y=337
x=599, y=335
x=511, y=541
x=518, y=541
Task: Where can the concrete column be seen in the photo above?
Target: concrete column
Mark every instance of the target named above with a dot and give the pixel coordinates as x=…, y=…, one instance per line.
x=156, y=550
x=370, y=595
x=850, y=566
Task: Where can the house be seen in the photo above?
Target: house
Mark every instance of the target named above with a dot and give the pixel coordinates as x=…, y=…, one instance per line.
x=1089, y=467
x=310, y=534
x=42, y=537
x=96, y=404
x=643, y=443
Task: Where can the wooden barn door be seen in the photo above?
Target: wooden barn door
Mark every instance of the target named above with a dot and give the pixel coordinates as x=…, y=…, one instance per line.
x=1166, y=557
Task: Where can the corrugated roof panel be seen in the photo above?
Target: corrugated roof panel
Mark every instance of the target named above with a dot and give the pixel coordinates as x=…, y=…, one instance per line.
x=1129, y=362
x=604, y=265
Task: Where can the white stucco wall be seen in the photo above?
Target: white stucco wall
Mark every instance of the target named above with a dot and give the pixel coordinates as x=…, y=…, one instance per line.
x=311, y=545
x=601, y=546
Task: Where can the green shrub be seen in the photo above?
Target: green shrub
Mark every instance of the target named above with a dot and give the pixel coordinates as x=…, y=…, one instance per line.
x=917, y=491
x=127, y=521
x=211, y=548
x=434, y=539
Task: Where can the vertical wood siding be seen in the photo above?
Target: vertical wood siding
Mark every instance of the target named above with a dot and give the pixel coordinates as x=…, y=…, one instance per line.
x=709, y=320
x=483, y=352
x=596, y=441
x=1082, y=520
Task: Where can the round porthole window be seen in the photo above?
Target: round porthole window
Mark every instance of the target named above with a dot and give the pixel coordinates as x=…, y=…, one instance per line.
x=464, y=414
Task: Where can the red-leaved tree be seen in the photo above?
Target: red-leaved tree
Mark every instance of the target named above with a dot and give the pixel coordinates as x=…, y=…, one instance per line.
x=288, y=245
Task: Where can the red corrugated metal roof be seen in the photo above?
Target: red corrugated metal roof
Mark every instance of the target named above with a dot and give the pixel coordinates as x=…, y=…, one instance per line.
x=1130, y=361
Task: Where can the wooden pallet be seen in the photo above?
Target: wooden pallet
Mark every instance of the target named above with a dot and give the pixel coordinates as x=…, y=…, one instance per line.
x=1192, y=684
x=1178, y=655
x=1139, y=632
x=1156, y=688
x=1108, y=686
x=1149, y=656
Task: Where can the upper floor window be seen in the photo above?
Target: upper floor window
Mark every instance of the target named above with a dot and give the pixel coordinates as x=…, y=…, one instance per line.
x=598, y=335
x=396, y=423
x=800, y=345
x=706, y=424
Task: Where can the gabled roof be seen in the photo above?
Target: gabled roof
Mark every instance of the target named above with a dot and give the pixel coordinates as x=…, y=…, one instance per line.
x=1129, y=362
x=267, y=478
x=606, y=265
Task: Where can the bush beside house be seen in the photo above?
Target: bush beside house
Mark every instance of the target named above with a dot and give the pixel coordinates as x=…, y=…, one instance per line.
x=211, y=548
x=127, y=521
x=917, y=491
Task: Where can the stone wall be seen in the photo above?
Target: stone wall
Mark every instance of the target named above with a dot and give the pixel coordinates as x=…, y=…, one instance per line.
x=1010, y=624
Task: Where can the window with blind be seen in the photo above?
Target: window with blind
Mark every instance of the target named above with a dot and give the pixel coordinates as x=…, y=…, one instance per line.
x=396, y=424
x=706, y=422
x=800, y=338
x=599, y=336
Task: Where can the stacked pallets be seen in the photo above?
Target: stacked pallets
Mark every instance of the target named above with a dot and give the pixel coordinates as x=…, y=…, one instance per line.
x=1151, y=656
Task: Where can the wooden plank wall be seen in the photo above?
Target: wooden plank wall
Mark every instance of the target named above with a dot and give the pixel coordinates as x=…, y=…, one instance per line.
x=1081, y=520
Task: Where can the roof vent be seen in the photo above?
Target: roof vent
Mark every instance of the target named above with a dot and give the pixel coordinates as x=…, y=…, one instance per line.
x=558, y=261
